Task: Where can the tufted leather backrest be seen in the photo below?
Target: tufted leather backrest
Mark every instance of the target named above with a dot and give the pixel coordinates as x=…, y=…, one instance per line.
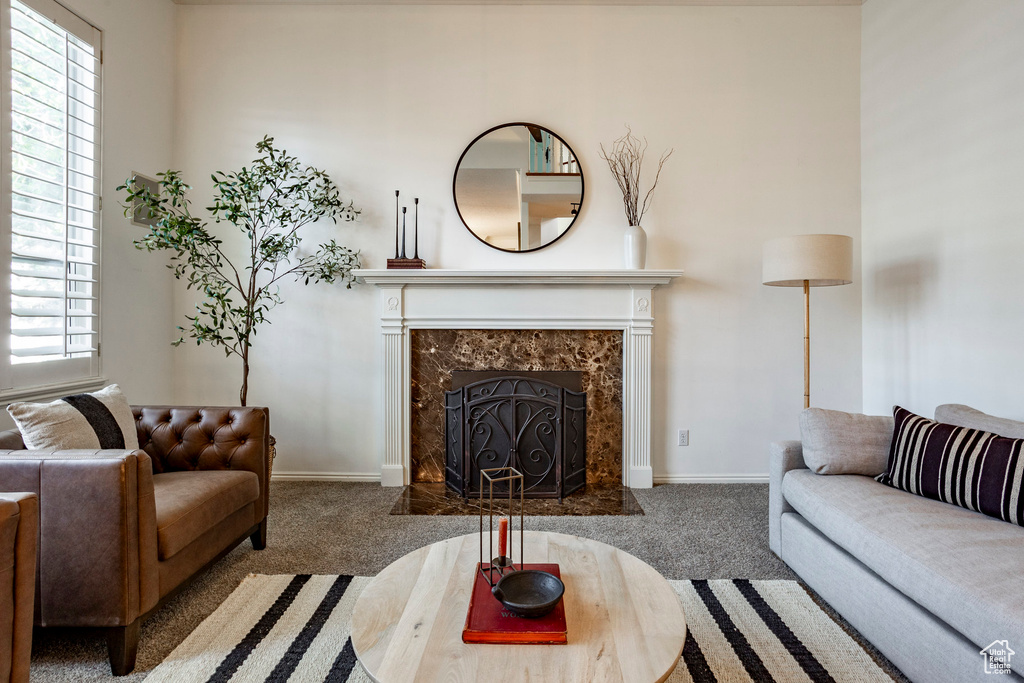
x=185, y=438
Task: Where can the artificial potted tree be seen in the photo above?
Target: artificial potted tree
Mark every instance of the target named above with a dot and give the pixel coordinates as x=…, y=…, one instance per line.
x=269, y=202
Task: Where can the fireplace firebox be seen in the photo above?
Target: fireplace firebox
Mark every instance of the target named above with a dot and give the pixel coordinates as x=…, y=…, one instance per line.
x=525, y=421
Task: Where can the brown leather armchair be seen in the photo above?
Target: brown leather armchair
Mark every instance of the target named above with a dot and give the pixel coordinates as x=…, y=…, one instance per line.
x=123, y=531
x=19, y=529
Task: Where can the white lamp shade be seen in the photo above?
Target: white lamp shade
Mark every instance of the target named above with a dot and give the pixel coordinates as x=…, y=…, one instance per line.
x=822, y=260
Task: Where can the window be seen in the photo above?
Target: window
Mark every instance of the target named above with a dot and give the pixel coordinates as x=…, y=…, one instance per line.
x=50, y=190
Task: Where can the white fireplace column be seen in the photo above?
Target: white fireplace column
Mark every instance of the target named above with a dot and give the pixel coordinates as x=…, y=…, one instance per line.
x=636, y=392
x=520, y=299
x=395, y=381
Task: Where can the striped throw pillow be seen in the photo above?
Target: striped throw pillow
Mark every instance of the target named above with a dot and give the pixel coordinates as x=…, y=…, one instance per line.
x=971, y=468
x=102, y=419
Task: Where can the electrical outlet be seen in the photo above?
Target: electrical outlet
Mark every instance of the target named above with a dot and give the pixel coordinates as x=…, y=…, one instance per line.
x=684, y=437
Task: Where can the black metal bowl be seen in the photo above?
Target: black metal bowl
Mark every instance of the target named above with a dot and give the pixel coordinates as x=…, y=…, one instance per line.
x=529, y=593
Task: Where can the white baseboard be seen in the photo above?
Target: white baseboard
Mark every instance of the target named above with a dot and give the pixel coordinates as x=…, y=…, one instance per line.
x=711, y=479
x=325, y=476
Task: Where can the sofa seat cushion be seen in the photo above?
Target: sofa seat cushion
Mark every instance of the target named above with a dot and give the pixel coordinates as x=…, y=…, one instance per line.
x=188, y=504
x=960, y=565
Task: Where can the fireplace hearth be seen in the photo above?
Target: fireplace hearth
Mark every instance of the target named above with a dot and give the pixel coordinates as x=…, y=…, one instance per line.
x=524, y=421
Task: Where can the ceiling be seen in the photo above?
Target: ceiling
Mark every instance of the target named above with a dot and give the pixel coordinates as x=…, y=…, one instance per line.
x=722, y=3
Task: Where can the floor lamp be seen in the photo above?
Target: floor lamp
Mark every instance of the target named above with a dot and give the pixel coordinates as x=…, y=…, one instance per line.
x=808, y=261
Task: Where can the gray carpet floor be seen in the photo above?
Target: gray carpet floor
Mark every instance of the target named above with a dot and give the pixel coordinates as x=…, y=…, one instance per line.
x=695, y=531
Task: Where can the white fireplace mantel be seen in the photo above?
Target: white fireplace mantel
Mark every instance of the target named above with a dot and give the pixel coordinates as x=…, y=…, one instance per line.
x=516, y=299
x=463, y=278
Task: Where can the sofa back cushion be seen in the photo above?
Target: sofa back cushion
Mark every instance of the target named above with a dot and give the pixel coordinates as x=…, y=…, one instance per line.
x=835, y=442
x=972, y=468
x=965, y=416
x=185, y=438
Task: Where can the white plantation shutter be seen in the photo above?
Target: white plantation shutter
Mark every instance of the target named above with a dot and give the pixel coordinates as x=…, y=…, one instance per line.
x=51, y=190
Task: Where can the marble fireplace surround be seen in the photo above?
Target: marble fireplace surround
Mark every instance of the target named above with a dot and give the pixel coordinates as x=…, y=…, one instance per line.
x=596, y=355
x=515, y=300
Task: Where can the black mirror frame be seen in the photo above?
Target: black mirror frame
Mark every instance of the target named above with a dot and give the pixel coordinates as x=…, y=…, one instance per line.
x=455, y=176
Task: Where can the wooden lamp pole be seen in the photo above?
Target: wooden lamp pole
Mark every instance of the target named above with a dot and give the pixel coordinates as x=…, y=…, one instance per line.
x=807, y=343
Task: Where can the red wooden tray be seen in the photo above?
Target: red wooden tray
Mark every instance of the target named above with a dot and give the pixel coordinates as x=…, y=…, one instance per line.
x=489, y=622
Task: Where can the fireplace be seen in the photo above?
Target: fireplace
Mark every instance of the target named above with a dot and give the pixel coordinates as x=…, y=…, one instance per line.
x=613, y=300
x=588, y=361
x=532, y=421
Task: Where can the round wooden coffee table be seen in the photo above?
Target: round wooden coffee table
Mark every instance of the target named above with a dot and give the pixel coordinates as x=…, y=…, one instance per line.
x=624, y=620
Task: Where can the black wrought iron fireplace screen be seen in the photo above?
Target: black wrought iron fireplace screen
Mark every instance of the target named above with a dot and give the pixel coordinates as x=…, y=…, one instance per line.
x=513, y=420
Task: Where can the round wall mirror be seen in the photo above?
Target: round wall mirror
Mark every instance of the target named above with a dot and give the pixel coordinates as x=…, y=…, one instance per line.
x=518, y=187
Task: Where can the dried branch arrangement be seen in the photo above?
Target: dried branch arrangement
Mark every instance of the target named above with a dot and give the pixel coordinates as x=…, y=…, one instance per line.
x=625, y=161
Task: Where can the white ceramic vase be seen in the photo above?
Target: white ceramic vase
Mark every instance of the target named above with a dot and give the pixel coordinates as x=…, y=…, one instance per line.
x=635, y=247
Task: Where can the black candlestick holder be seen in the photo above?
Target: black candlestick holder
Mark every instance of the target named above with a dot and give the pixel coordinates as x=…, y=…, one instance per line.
x=400, y=261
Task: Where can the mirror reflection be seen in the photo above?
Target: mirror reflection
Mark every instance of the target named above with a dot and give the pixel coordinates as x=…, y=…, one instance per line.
x=518, y=187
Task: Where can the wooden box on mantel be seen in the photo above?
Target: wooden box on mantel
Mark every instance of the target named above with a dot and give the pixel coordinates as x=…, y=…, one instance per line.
x=406, y=263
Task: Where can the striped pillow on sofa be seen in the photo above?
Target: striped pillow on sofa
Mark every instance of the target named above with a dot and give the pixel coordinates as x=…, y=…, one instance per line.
x=102, y=419
x=971, y=468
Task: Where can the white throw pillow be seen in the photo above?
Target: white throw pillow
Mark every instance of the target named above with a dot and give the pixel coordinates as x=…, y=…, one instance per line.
x=102, y=419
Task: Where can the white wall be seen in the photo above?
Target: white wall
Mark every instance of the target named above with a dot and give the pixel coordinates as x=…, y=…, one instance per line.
x=138, y=96
x=943, y=183
x=761, y=105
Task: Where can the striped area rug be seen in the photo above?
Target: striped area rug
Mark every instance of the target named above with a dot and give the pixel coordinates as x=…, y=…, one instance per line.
x=296, y=628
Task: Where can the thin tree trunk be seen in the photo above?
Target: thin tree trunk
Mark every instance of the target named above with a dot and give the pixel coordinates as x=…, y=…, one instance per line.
x=250, y=302
x=245, y=377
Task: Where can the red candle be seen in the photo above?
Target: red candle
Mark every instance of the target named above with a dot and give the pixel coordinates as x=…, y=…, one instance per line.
x=502, y=537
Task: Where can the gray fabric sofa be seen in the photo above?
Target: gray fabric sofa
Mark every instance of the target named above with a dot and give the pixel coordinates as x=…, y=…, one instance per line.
x=928, y=583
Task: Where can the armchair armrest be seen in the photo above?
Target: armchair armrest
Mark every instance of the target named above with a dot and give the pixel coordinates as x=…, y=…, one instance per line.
x=19, y=531
x=783, y=457
x=183, y=438
x=97, y=562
